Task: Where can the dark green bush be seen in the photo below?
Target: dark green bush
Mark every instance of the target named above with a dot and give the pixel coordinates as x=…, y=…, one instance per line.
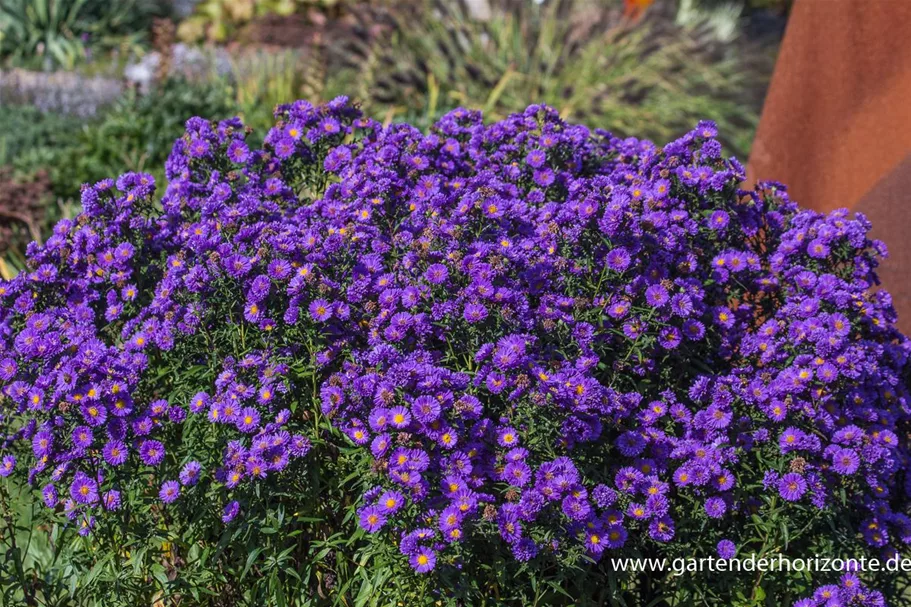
x=135, y=135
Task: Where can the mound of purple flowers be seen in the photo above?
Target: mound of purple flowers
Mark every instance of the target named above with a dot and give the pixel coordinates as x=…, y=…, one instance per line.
x=537, y=331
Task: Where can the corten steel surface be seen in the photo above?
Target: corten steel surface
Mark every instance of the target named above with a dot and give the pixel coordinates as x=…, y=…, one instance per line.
x=836, y=125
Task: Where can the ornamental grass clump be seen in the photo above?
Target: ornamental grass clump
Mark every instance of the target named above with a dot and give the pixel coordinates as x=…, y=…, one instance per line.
x=530, y=335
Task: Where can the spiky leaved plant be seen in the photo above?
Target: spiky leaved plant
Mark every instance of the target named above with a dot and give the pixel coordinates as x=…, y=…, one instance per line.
x=649, y=76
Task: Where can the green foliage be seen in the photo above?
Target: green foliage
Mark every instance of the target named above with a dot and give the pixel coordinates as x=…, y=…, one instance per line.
x=30, y=145
x=298, y=545
x=650, y=78
x=62, y=31
x=136, y=134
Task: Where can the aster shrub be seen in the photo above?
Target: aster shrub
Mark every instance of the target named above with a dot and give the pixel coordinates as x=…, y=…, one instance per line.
x=517, y=350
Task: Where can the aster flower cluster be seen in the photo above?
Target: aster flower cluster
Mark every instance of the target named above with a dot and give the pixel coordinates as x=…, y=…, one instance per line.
x=537, y=332
x=849, y=591
x=246, y=391
x=88, y=331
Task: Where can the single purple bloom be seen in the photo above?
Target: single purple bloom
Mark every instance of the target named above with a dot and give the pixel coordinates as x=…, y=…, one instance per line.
x=151, y=452
x=115, y=452
x=715, y=507
x=320, y=310
x=189, y=475
x=726, y=549
x=424, y=560
x=84, y=489
x=792, y=486
x=170, y=491
x=7, y=465
x=372, y=519
x=230, y=512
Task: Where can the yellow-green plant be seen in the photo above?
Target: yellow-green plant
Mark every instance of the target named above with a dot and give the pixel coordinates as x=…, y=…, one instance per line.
x=262, y=80
x=217, y=20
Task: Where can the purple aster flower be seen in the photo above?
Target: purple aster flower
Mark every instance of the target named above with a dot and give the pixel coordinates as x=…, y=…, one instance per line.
x=115, y=452
x=475, y=312
x=719, y=220
x=682, y=305
x=424, y=560
x=426, y=409
x=86, y=525
x=198, y=147
x=42, y=443
x=536, y=158
x=723, y=480
x=231, y=510
x=508, y=437
x=818, y=249
x=390, y=502
x=792, y=486
x=615, y=536
x=94, y=414
x=436, y=274
x=82, y=437
x=372, y=519
x=7, y=465
x=265, y=395
x=726, y=549
x=399, y=417
x=517, y=474
x=715, y=507
x=8, y=369
x=845, y=461
x=299, y=446
x=631, y=443
x=378, y=419
x=618, y=259
x=524, y=550
x=543, y=177
x=604, y=496
x=151, y=452
x=656, y=296
x=594, y=542
x=84, y=489
x=284, y=148
x=662, y=529
x=320, y=310
x=189, y=474
x=253, y=312
x=170, y=491
x=329, y=126
x=248, y=420
x=791, y=439
x=49, y=495
x=111, y=500
x=238, y=152
x=669, y=337
x=693, y=330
